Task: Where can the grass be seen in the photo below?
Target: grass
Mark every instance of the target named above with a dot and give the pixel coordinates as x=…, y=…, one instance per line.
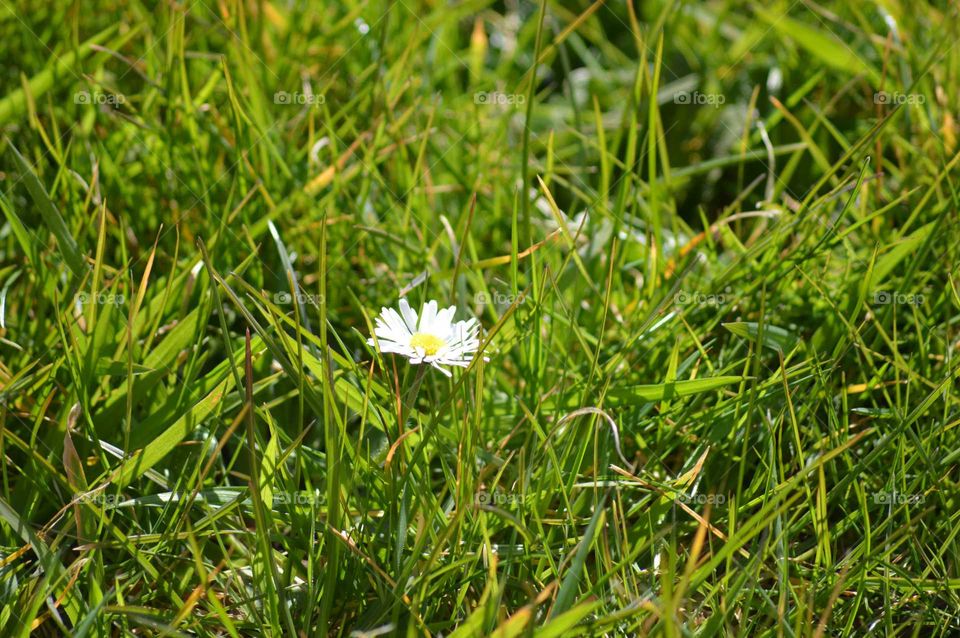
x=713, y=246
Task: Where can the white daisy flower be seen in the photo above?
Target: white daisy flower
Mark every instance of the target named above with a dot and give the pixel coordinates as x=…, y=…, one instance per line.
x=433, y=338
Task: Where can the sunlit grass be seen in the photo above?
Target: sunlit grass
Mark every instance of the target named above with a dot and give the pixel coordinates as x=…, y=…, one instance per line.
x=712, y=248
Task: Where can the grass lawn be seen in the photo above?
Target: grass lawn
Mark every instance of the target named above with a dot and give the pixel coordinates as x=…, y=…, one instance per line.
x=478, y=318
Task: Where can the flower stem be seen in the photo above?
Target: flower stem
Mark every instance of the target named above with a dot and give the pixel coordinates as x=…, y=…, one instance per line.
x=410, y=397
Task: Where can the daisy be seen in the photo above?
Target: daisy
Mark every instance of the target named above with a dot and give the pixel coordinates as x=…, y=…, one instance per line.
x=432, y=338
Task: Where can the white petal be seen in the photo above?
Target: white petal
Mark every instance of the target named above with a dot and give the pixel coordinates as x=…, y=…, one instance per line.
x=409, y=316
x=443, y=325
x=446, y=372
x=398, y=325
x=427, y=318
x=391, y=334
x=396, y=348
x=391, y=326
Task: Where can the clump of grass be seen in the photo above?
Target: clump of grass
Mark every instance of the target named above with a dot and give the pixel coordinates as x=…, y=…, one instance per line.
x=712, y=248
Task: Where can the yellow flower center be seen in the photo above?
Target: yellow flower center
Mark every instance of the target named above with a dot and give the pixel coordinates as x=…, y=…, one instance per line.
x=431, y=344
